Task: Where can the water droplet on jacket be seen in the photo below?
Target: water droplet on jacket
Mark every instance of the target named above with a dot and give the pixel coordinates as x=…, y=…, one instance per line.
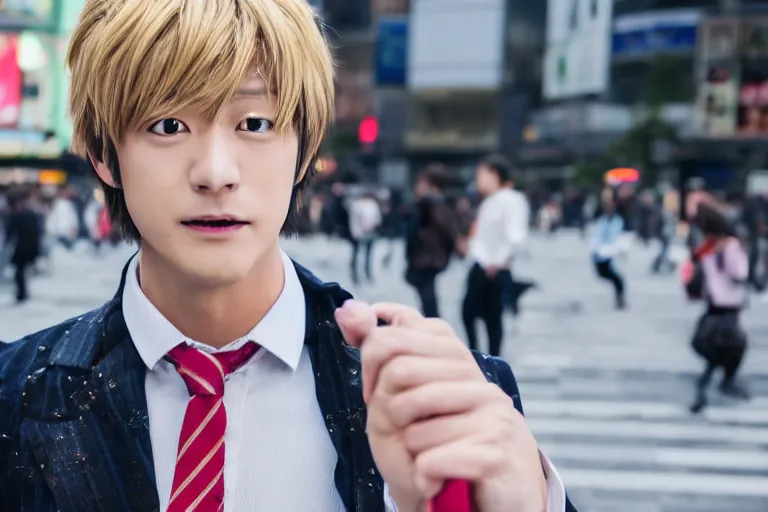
x=353, y=371
x=372, y=471
x=70, y=378
x=112, y=384
x=79, y=318
x=42, y=349
x=66, y=332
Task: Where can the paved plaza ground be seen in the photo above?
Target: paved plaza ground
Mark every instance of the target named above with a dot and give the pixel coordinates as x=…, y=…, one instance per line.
x=605, y=392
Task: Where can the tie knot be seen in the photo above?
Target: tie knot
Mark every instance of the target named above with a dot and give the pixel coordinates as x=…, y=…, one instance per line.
x=204, y=373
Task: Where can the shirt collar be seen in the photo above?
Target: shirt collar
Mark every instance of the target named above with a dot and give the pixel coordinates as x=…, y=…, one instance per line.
x=280, y=332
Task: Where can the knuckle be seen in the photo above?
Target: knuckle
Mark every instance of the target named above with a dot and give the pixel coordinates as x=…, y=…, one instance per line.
x=437, y=325
x=401, y=371
x=494, y=459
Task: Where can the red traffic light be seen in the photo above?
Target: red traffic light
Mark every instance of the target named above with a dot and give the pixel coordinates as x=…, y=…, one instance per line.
x=369, y=130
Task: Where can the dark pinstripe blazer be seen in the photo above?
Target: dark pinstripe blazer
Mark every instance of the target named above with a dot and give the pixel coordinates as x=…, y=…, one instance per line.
x=74, y=428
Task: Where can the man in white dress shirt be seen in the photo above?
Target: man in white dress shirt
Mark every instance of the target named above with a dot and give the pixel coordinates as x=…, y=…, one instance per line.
x=500, y=228
x=223, y=376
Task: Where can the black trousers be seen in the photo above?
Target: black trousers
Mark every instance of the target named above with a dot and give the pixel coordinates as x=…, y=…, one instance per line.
x=423, y=281
x=606, y=271
x=512, y=290
x=366, y=245
x=483, y=300
x=20, y=277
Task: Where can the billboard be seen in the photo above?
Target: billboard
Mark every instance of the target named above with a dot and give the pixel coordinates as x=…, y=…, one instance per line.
x=456, y=44
x=655, y=32
x=752, y=113
x=732, y=98
x=576, y=60
x=717, y=77
x=392, y=52
x=10, y=81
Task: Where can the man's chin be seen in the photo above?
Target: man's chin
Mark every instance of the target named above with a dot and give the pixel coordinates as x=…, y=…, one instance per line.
x=216, y=270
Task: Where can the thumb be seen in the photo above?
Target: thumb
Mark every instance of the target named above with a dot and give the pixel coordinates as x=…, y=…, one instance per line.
x=355, y=319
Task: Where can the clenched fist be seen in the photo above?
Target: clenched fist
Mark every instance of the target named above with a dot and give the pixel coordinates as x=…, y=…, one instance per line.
x=433, y=417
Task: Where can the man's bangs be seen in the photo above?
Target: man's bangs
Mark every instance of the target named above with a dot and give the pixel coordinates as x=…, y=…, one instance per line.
x=135, y=62
x=198, y=59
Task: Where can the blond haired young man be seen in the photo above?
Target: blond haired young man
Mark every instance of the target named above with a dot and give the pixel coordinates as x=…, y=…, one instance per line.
x=223, y=376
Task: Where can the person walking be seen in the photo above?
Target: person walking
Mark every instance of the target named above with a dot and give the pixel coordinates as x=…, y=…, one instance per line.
x=364, y=221
x=719, y=339
x=501, y=226
x=23, y=234
x=432, y=237
x=607, y=233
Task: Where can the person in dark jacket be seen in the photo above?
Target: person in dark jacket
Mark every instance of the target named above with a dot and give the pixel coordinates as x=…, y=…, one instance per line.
x=223, y=376
x=432, y=236
x=23, y=233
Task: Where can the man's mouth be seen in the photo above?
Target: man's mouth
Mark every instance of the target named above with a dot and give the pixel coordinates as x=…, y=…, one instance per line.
x=215, y=224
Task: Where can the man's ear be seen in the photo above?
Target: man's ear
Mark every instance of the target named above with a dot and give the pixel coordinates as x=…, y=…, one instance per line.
x=102, y=169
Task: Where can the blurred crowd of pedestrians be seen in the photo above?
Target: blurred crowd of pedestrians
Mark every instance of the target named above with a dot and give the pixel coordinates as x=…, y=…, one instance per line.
x=32, y=223
x=486, y=222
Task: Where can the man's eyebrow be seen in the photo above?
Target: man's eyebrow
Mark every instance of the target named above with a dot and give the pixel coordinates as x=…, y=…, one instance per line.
x=257, y=91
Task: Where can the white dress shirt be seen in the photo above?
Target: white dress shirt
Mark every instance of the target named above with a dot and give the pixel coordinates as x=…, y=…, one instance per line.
x=364, y=218
x=278, y=453
x=502, y=225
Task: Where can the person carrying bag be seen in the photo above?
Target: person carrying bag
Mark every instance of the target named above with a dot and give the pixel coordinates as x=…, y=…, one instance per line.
x=718, y=276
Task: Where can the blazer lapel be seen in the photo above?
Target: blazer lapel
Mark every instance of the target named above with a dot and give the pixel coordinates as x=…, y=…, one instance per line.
x=88, y=424
x=338, y=386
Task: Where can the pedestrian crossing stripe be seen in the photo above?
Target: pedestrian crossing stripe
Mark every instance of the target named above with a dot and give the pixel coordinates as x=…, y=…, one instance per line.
x=654, y=447
x=663, y=482
x=601, y=409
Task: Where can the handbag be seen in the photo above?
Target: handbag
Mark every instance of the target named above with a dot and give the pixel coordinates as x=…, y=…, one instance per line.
x=693, y=280
x=719, y=338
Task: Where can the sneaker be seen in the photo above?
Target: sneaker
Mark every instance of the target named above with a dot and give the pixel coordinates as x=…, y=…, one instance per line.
x=698, y=405
x=734, y=391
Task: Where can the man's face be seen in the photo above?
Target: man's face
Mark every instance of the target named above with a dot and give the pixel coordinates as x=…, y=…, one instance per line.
x=210, y=198
x=422, y=188
x=486, y=180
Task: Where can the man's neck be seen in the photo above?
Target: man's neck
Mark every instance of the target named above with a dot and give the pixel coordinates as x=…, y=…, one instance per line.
x=215, y=316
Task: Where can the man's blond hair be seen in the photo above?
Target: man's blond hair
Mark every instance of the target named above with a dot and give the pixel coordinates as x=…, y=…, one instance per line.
x=134, y=62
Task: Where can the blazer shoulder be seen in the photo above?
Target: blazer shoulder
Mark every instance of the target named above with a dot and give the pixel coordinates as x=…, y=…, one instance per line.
x=499, y=372
x=18, y=358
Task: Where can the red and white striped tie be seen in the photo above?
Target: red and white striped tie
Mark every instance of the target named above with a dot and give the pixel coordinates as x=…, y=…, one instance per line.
x=198, y=481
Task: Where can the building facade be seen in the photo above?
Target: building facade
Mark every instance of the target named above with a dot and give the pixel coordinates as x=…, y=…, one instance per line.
x=685, y=59
x=35, y=135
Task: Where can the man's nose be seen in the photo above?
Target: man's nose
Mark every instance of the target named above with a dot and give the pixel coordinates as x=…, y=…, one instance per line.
x=214, y=168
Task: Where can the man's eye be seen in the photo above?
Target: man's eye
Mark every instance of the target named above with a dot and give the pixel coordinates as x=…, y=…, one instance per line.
x=255, y=124
x=169, y=127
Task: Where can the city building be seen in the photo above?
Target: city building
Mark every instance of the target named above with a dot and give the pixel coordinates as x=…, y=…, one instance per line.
x=371, y=42
x=473, y=77
x=34, y=133
x=616, y=70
